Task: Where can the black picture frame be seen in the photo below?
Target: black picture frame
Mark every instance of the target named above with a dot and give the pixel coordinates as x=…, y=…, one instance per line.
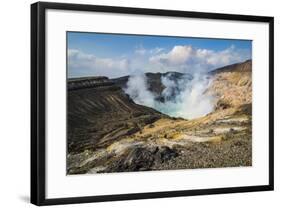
x=38, y=102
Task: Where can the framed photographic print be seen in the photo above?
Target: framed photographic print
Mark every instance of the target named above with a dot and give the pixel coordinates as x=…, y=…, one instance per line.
x=134, y=103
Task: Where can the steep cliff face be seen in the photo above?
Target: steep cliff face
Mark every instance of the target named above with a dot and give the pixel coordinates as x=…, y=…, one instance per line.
x=232, y=85
x=99, y=111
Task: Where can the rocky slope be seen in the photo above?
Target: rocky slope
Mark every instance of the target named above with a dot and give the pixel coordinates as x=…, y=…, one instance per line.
x=232, y=85
x=108, y=132
x=99, y=111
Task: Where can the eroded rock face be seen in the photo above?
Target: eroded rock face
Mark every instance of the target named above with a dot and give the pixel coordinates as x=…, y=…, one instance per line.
x=142, y=158
x=232, y=85
x=99, y=111
x=89, y=82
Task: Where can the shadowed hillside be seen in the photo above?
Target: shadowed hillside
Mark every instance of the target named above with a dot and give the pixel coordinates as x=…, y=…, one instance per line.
x=99, y=111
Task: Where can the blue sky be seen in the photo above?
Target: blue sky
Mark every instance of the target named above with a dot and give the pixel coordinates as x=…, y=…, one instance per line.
x=113, y=55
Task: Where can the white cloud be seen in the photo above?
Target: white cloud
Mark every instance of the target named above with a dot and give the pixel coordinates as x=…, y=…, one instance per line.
x=140, y=50
x=181, y=58
x=189, y=59
x=83, y=64
x=178, y=55
x=156, y=50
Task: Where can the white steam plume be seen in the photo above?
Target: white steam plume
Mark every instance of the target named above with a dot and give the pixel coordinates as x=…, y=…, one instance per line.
x=138, y=91
x=182, y=97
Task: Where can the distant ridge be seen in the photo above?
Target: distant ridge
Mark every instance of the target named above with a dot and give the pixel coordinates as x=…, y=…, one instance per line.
x=88, y=82
x=242, y=66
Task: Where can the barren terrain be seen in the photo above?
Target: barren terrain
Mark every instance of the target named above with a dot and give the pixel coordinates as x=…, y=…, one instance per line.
x=108, y=132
